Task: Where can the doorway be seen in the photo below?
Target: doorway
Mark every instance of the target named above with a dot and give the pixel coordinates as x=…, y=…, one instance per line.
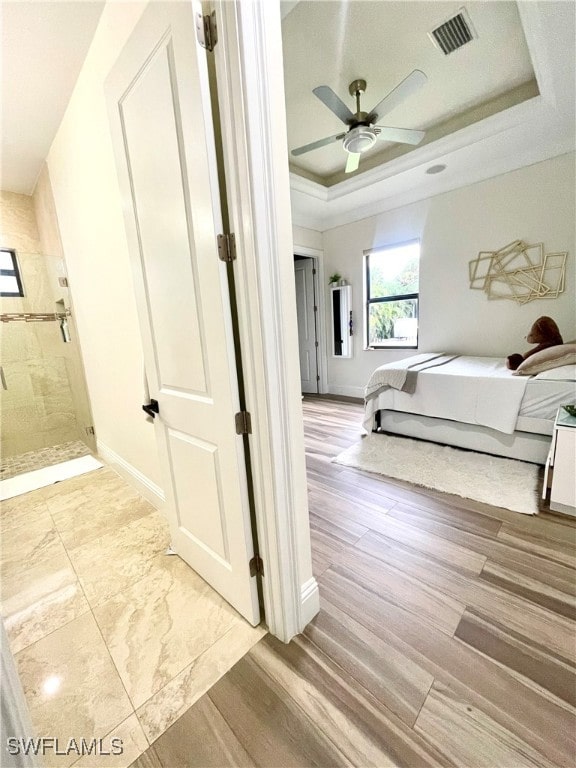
x=306, y=283
x=183, y=297
x=159, y=600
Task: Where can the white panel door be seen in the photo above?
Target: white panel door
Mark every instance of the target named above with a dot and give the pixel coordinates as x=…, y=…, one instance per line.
x=304, y=277
x=162, y=133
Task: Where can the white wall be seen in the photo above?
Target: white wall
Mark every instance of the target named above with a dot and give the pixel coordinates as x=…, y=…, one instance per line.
x=534, y=204
x=306, y=238
x=89, y=208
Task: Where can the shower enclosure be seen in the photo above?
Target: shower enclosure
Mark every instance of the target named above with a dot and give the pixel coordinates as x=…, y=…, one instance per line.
x=44, y=409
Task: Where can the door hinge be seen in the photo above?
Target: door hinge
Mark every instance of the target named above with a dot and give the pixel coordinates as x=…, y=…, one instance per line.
x=227, y=247
x=243, y=423
x=313, y=271
x=90, y=430
x=315, y=309
x=317, y=378
x=206, y=31
x=256, y=566
x=315, y=343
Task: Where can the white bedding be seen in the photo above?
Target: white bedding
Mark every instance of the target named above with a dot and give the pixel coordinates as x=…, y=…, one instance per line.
x=396, y=375
x=472, y=390
x=543, y=397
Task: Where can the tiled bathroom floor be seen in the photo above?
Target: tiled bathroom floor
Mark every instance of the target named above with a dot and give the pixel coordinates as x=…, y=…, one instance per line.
x=111, y=636
x=10, y=466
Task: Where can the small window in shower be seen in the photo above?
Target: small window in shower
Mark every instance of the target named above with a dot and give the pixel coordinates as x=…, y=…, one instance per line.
x=10, y=280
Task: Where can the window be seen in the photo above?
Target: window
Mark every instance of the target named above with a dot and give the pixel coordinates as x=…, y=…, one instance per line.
x=392, y=296
x=10, y=282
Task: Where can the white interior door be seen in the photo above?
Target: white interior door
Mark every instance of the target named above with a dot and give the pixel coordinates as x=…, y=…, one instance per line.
x=162, y=133
x=304, y=277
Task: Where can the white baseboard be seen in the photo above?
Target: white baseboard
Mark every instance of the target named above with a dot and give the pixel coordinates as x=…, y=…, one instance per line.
x=346, y=391
x=309, y=602
x=133, y=476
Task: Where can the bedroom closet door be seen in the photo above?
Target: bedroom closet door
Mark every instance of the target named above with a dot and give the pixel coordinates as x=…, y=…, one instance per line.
x=159, y=105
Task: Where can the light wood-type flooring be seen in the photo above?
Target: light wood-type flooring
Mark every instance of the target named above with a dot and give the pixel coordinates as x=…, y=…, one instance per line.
x=445, y=636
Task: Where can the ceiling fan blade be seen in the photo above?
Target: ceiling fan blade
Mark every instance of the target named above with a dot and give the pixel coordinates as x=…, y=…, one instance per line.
x=406, y=88
x=353, y=162
x=400, y=135
x=333, y=102
x=317, y=144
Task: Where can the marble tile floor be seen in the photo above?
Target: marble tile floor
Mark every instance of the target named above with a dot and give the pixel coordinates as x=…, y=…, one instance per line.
x=111, y=636
x=10, y=466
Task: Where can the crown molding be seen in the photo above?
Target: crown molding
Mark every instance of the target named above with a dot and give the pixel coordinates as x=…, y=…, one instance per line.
x=308, y=187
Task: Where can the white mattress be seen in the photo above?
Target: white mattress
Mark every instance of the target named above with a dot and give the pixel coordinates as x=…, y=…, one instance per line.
x=543, y=397
x=534, y=411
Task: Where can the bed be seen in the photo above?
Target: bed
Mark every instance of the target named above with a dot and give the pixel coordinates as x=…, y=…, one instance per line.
x=469, y=402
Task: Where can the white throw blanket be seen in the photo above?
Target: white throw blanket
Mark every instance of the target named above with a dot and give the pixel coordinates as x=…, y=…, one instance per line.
x=472, y=390
x=395, y=374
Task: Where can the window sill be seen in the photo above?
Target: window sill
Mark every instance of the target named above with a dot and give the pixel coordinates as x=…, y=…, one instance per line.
x=392, y=346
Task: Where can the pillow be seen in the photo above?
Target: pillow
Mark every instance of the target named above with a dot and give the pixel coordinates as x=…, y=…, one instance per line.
x=546, y=359
x=563, y=373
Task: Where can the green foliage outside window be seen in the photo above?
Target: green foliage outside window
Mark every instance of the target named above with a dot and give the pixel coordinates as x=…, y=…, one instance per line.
x=393, y=277
x=383, y=317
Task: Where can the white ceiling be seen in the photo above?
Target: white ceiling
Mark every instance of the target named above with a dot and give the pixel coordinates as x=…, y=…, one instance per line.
x=43, y=45
x=333, y=43
x=528, y=132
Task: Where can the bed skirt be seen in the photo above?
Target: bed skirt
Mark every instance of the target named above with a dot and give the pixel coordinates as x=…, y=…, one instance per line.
x=525, y=446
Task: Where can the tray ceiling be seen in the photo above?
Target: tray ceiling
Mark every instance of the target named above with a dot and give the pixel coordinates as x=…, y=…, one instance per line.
x=332, y=43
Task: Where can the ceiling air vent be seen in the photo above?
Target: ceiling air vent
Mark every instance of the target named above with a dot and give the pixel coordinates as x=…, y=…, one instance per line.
x=453, y=33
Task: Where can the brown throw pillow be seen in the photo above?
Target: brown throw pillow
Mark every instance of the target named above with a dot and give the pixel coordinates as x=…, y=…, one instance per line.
x=546, y=359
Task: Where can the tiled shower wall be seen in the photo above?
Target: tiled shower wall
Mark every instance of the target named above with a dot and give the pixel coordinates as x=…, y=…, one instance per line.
x=41, y=405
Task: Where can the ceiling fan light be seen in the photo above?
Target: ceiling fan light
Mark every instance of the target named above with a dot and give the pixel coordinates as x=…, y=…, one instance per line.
x=359, y=139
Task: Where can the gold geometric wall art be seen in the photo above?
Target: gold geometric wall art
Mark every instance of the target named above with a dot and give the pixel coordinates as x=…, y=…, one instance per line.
x=519, y=272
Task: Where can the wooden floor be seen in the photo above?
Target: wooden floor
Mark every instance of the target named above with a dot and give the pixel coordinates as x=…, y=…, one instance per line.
x=446, y=636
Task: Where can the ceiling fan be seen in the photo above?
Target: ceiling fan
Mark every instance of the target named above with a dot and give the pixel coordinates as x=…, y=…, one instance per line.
x=362, y=132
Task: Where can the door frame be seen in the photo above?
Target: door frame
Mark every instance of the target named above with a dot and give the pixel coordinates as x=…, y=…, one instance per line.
x=319, y=283
x=249, y=72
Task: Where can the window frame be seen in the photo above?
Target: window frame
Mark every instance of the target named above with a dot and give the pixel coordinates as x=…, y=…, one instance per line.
x=14, y=272
x=385, y=299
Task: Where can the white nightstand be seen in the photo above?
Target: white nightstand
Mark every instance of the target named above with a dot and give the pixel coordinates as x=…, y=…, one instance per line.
x=561, y=465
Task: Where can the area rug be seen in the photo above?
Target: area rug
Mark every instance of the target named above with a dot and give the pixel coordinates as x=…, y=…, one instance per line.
x=490, y=479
